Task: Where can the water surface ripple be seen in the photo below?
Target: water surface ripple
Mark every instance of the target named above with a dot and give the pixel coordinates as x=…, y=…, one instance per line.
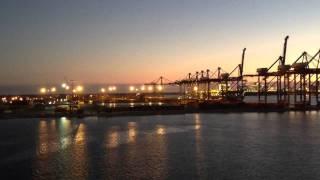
x=192, y=146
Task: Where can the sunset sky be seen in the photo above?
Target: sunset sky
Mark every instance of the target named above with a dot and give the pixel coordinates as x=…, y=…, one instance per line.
x=135, y=41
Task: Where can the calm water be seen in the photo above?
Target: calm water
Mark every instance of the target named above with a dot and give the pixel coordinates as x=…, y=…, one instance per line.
x=193, y=146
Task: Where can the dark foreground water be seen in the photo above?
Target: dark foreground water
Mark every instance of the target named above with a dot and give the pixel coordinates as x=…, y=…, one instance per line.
x=194, y=146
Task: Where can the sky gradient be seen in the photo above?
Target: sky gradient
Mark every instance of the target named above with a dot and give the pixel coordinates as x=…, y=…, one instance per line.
x=135, y=41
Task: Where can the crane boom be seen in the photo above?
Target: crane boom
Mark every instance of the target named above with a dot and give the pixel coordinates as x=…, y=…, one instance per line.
x=284, y=50
x=242, y=61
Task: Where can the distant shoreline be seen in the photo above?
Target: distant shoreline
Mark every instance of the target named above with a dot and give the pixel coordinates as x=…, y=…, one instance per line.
x=4, y=116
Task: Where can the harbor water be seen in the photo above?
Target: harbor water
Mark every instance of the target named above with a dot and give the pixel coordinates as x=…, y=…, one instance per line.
x=191, y=146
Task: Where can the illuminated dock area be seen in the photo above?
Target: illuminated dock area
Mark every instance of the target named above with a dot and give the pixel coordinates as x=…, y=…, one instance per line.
x=279, y=87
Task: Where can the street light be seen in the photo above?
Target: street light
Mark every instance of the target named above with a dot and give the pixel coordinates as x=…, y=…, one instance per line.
x=150, y=88
x=143, y=88
x=103, y=90
x=131, y=88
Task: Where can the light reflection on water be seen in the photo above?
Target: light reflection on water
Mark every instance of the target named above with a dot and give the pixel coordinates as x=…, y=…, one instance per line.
x=191, y=146
x=113, y=139
x=61, y=141
x=199, y=155
x=132, y=132
x=161, y=130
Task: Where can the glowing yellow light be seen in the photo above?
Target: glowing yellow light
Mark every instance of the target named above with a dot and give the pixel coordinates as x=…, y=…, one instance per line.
x=64, y=85
x=103, y=90
x=142, y=88
x=79, y=88
x=161, y=131
x=160, y=88
x=132, y=132
x=53, y=89
x=131, y=88
x=67, y=87
x=150, y=88
x=43, y=90
x=195, y=88
x=74, y=90
x=112, y=88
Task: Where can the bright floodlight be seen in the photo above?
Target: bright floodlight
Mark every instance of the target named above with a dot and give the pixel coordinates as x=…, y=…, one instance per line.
x=160, y=88
x=103, y=90
x=79, y=88
x=150, y=88
x=143, y=88
x=67, y=87
x=43, y=90
x=64, y=85
x=131, y=88
x=112, y=88
x=53, y=89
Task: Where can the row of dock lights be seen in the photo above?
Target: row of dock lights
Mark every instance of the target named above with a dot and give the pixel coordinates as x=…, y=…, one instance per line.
x=79, y=88
x=65, y=86
x=143, y=88
x=110, y=89
x=44, y=90
x=13, y=98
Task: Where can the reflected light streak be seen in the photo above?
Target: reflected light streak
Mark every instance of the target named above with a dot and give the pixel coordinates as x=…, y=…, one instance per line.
x=132, y=135
x=113, y=140
x=43, y=139
x=79, y=162
x=80, y=136
x=48, y=138
x=161, y=130
x=198, y=146
x=64, y=130
x=132, y=132
x=197, y=125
